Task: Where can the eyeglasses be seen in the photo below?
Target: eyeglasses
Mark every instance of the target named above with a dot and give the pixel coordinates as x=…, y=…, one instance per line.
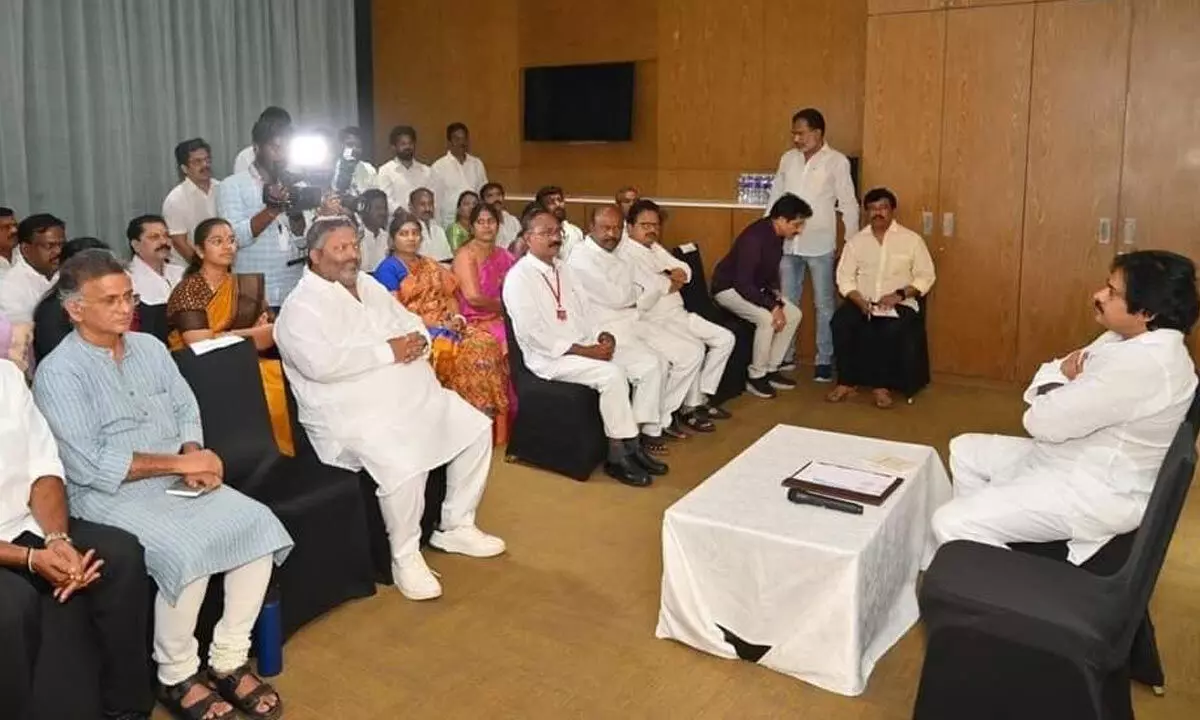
x=548, y=233
x=648, y=225
x=113, y=302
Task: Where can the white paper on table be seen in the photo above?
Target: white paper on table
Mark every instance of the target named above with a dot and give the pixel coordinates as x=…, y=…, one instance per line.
x=866, y=482
x=880, y=311
x=892, y=464
x=202, y=347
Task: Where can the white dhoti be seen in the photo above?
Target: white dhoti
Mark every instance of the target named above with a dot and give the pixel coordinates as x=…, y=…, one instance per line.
x=716, y=345
x=606, y=378
x=1003, y=494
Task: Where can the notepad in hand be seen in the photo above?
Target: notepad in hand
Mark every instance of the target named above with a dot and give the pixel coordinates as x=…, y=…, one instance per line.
x=845, y=482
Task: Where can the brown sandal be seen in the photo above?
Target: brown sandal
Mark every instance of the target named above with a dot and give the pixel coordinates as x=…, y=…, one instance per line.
x=840, y=393
x=171, y=697
x=227, y=687
x=654, y=445
x=883, y=399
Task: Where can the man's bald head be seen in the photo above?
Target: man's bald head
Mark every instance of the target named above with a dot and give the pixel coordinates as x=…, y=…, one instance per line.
x=606, y=226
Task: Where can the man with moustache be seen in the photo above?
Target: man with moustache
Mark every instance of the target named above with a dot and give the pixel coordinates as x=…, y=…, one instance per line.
x=40, y=241
x=358, y=363
x=562, y=340
x=193, y=200
x=510, y=227
x=455, y=172
x=403, y=174
x=883, y=271
x=553, y=199
x=8, y=239
x=1100, y=422
x=625, y=198
x=613, y=287
x=154, y=277
x=434, y=242
x=660, y=276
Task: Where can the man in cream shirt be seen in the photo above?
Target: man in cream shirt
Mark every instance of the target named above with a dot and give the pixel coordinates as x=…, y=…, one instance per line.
x=40, y=241
x=819, y=175
x=456, y=172
x=193, y=200
x=402, y=174
x=153, y=276
x=434, y=243
x=553, y=198
x=510, y=227
x=8, y=239
x=1100, y=422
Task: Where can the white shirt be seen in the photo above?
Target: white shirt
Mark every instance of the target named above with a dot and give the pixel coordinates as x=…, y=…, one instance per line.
x=542, y=335
x=875, y=269
x=510, y=228
x=22, y=289
x=154, y=289
x=185, y=207
x=352, y=396
x=452, y=178
x=822, y=181
x=244, y=160
x=607, y=280
x=572, y=238
x=27, y=452
x=373, y=248
x=434, y=242
x=5, y=263
x=655, y=299
x=398, y=181
x=1107, y=431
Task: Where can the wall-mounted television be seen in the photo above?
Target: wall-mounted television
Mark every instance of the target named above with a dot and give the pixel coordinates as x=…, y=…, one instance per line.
x=579, y=103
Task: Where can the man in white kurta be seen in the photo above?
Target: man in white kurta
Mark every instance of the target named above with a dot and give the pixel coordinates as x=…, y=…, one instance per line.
x=456, y=172
x=561, y=339
x=510, y=227
x=402, y=174
x=609, y=282
x=660, y=275
x=1101, y=421
x=553, y=198
x=358, y=363
x=434, y=243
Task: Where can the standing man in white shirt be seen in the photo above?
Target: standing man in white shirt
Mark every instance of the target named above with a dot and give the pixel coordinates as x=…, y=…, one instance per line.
x=492, y=194
x=193, y=200
x=8, y=239
x=553, y=199
x=402, y=174
x=819, y=175
x=365, y=175
x=1100, y=422
x=374, y=219
x=434, y=242
x=40, y=241
x=154, y=277
x=271, y=114
x=456, y=172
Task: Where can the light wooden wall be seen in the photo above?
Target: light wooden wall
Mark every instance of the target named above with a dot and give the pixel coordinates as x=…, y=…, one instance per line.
x=717, y=82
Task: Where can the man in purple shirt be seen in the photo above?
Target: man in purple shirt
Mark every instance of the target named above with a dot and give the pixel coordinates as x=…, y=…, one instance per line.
x=746, y=283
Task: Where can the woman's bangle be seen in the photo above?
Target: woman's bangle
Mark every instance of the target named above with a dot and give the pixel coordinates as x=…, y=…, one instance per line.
x=29, y=560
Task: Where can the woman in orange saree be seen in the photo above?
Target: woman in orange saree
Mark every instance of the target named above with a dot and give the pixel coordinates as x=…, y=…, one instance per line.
x=466, y=359
x=212, y=300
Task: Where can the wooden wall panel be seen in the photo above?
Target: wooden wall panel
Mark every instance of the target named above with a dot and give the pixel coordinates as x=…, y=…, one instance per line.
x=709, y=228
x=587, y=31
x=1077, y=113
x=880, y=7
x=972, y=311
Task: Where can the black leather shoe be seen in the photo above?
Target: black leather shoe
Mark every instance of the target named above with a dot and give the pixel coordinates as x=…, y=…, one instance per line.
x=628, y=472
x=643, y=459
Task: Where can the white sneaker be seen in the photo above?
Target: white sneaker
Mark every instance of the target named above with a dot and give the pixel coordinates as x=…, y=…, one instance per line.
x=414, y=578
x=468, y=540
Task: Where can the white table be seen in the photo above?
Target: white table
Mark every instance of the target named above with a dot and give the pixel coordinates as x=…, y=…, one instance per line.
x=829, y=592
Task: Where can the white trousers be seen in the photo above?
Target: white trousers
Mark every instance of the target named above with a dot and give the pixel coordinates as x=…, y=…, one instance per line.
x=770, y=347
x=175, y=647
x=1001, y=496
x=684, y=356
x=466, y=478
x=647, y=372
x=606, y=378
x=716, y=343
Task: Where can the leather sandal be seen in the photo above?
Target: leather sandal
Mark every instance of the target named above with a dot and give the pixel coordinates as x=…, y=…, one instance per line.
x=248, y=703
x=654, y=445
x=883, y=399
x=840, y=393
x=171, y=697
x=697, y=422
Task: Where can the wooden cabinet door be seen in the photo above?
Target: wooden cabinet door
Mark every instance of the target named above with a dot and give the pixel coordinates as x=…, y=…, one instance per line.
x=902, y=118
x=1076, y=137
x=973, y=308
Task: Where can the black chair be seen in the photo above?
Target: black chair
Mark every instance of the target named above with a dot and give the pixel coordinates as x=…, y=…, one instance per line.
x=697, y=299
x=558, y=425
x=1012, y=635
x=66, y=678
x=152, y=319
x=320, y=505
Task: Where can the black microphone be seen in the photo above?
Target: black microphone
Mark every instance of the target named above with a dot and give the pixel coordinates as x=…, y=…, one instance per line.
x=803, y=497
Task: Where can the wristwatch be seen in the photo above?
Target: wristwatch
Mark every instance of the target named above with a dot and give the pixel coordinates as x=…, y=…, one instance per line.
x=57, y=536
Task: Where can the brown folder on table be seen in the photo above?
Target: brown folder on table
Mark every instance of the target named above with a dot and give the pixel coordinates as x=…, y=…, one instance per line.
x=882, y=487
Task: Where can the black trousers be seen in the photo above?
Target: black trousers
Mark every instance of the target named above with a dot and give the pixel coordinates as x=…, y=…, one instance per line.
x=879, y=352
x=115, y=604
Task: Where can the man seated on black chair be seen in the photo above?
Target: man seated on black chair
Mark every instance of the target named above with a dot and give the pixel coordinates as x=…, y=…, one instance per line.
x=557, y=332
x=883, y=271
x=42, y=552
x=1101, y=420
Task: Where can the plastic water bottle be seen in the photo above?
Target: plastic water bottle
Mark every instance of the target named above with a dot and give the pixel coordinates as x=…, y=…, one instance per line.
x=268, y=636
x=759, y=197
x=743, y=189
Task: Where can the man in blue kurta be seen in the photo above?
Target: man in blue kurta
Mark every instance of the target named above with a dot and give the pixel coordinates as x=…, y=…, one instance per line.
x=128, y=427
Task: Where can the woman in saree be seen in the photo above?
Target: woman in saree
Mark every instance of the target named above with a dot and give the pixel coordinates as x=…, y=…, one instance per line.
x=459, y=231
x=212, y=300
x=480, y=268
x=465, y=358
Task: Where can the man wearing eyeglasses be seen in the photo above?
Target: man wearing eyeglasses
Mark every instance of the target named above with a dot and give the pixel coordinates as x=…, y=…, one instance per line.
x=40, y=241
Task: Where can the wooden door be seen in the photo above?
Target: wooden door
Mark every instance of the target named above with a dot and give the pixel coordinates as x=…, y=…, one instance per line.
x=972, y=311
x=1076, y=128
x=1160, y=181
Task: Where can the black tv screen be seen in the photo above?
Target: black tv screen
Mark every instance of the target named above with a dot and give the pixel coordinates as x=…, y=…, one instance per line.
x=579, y=103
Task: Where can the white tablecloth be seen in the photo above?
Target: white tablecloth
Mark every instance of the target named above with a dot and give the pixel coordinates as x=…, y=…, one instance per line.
x=829, y=592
